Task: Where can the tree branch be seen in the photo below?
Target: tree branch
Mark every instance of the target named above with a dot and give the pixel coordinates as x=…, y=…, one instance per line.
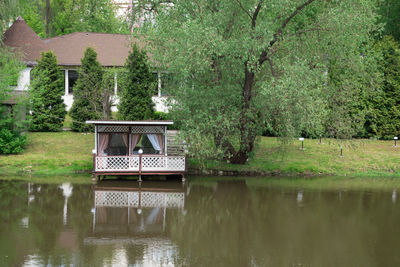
x=241, y=6
x=278, y=33
x=287, y=20
x=254, y=18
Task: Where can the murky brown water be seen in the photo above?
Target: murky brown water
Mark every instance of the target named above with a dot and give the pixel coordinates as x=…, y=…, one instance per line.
x=211, y=224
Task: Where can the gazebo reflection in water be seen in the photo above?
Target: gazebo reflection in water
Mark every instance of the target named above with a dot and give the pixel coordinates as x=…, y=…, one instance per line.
x=127, y=208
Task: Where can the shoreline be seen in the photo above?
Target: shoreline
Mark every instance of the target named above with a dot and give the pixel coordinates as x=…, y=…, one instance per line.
x=69, y=153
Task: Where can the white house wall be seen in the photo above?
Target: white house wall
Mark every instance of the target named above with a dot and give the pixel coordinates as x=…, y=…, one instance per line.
x=24, y=82
x=159, y=104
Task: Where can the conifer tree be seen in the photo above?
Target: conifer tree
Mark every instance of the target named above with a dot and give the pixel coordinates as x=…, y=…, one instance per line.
x=135, y=96
x=47, y=106
x=88, y=93
x=385, y=119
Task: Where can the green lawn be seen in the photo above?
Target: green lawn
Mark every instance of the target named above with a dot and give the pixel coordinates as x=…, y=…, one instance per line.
x=68, y=152
x=52, y=153
x=360, y=157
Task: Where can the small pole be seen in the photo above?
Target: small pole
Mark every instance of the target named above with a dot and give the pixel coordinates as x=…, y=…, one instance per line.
x=395, y=141
x=302, y=142
x=341, y=151
x=320, y=139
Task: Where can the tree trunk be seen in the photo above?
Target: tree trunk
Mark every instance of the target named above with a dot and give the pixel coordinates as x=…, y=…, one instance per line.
x=247, y=123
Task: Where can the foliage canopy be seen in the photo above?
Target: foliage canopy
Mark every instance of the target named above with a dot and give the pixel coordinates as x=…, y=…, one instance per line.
x=246, y=63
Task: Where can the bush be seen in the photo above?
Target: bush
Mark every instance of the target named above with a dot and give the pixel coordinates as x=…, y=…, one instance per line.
x=11, y=142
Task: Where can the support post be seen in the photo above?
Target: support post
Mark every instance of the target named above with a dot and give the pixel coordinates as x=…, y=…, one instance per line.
x=165, y=141
x=140, y=167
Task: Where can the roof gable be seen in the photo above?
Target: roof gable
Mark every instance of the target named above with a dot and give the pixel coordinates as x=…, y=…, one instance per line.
x=22, y=38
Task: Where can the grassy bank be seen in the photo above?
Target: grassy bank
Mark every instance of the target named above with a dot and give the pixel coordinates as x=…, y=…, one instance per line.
x=360, y=158
x=52, y=154
x=67, y=153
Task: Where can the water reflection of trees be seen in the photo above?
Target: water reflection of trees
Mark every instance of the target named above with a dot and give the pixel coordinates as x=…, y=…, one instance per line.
x=229, y=224
x=32, y=222
x=238, y=226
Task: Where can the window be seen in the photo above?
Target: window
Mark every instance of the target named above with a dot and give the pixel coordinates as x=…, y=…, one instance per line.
x=72, y=78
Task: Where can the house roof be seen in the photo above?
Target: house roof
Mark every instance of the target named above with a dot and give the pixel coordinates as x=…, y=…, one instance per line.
x=25, y=40
x=112, y=49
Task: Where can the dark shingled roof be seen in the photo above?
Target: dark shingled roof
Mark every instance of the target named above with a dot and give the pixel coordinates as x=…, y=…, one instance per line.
x=25, y=40
x=112, y=49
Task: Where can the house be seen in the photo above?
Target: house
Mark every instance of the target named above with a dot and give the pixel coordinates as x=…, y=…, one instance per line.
x=112, y=51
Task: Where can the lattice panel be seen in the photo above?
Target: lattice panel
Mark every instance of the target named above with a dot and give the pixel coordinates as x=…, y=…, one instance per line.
x=116, y=198
x=153, y=163
x=131, y=199
x=117, y=163
x=176, y=163
x=162, y=163
x=111, y=199
x=176, y=200
x=113, y=129
x=142, y=129
x=169, y=200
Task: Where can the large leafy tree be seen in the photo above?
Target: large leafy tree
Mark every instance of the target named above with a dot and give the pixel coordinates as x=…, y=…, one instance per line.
x=47, y=106
x=136, y=92
x=88, y=92
x=51, y=18
x=242, y=62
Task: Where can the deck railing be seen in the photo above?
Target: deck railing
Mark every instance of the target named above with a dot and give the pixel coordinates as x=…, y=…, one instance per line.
x=140, y=163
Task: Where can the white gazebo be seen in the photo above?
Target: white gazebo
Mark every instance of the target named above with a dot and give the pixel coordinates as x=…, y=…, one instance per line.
x=134, y=148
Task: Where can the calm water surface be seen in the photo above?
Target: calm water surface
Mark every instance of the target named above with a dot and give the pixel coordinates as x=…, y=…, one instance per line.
x=212, y=224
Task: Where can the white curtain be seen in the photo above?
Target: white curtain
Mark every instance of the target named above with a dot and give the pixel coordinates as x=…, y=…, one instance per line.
x=154, y=141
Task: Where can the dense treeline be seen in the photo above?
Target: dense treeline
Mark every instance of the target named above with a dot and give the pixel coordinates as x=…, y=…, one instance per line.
x=369, y=106
x=317, y=68
x=50, y=18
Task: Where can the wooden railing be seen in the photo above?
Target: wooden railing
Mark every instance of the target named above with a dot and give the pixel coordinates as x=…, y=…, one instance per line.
x=140, y=163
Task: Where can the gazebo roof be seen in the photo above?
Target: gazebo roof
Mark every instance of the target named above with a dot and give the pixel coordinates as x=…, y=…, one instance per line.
x=147, y=122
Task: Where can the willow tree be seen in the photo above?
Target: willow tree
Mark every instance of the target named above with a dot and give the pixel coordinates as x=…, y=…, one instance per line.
x=242, y=63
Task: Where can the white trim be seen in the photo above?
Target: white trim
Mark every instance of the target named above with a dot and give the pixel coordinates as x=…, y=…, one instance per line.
x=165, y=141
x=131, y=122
x=95, y=140
x=66, y=82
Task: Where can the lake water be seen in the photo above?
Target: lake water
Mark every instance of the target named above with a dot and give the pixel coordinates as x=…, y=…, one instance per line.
x=219, y=223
